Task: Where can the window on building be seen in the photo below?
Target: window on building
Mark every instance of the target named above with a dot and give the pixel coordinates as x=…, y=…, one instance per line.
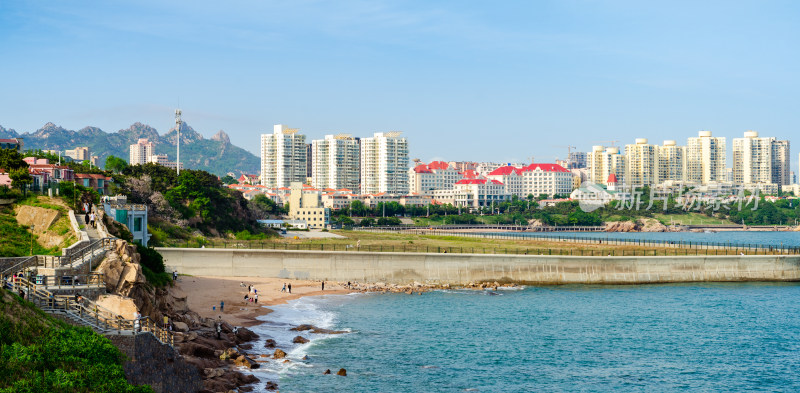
x=137, y=224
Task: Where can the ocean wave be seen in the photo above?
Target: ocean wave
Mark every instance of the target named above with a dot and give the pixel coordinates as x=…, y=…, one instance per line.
x=311, y=310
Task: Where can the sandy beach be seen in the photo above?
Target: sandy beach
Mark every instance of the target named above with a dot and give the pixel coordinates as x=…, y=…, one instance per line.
x=204, y=293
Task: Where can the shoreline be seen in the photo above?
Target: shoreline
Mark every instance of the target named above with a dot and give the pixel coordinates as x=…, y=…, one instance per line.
x=204, y=293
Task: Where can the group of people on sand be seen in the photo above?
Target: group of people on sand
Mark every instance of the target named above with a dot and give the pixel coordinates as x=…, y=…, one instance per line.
x=285, y=287
x=251, y=295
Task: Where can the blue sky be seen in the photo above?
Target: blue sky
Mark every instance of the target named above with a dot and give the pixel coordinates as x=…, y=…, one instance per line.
x=466, y=80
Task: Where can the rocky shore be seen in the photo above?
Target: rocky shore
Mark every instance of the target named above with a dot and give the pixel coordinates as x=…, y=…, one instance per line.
x=217, y=359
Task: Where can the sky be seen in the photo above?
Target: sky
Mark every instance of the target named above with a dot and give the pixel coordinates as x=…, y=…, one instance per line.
x=463, y=80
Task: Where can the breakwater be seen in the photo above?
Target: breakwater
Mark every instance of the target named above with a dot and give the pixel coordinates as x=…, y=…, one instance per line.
x=461, y=269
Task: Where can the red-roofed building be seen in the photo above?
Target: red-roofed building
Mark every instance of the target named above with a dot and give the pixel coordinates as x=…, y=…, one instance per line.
x=510, y=176
x=248, y=179
x=473, y=193
x=438, y=175
x=549, y=179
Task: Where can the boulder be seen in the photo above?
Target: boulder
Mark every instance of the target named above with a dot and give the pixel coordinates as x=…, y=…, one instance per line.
x=270, y=343
x=271, y=386
x=244, y=361
x=342, y=372
x=300, y=340
x=314, y=329
x=279, y=354
x=181, y=327
x=230, y=353
x=652, y=225
x=327, y=372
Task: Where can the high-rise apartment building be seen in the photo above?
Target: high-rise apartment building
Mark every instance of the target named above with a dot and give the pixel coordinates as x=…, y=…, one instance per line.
x=78, y=153
x=335, y=162
x=605, y=161
x=283, y=157
x=781, y=163
x=641, y=163
x=384, y=163
x=760, y=160
x=141, y=151
x=705, y=158
x=752, y=159
x=671, y=162
x=577, y=160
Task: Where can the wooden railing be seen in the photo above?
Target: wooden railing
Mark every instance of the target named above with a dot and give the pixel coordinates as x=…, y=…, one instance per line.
x=88, y=312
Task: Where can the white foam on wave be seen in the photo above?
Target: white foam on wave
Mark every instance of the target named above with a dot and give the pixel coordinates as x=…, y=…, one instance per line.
x=312, y=310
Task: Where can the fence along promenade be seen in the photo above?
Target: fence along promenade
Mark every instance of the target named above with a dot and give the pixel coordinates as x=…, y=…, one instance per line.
x=85, y=312
x=658, y=247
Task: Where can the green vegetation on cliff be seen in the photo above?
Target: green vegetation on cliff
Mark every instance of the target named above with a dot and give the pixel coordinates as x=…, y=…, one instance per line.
x=41, y=354
x=194, y=204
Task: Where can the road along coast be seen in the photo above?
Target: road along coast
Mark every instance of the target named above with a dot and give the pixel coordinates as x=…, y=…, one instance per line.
x=463, y=269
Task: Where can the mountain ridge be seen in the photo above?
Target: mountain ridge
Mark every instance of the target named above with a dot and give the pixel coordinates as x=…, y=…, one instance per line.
x=215, y=155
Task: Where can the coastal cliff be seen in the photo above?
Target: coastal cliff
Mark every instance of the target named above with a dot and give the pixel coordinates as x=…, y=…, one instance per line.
x=195, y=358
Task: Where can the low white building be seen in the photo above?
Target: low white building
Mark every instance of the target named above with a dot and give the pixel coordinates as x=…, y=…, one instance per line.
x=473, y=193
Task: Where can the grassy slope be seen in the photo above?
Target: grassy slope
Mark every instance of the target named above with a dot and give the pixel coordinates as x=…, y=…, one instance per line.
x=41, y=354
x=370, y=241
x=16, y=238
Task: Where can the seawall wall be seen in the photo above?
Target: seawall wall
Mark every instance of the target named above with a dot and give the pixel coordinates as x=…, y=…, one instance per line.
x=458, y=269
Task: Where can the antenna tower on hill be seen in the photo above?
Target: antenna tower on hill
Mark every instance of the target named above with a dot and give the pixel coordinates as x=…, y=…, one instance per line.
x=178, y=123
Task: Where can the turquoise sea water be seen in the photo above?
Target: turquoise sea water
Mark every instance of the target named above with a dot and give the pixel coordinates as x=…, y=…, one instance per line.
x=687, y=337
x=768, y=238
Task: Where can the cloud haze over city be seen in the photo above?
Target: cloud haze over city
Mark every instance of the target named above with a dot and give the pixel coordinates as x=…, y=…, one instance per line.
x=463, y=80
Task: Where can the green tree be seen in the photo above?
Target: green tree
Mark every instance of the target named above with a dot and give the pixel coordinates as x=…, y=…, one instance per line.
x=20, y=178
x=116, y=164
x=228, y=179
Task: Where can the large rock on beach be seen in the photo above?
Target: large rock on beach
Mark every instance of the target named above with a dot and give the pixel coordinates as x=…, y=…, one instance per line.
x=270, y=343
x=299, y=340
x=621, y=226
x=652, y=225
x=314, y=329
x=180, y=326
x=279, y=354
x=342, y=372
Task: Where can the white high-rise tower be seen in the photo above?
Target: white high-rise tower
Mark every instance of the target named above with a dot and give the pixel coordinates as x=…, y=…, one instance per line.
x=705, y=158
x=335, y=162
x=283, y=157
x=384, y=163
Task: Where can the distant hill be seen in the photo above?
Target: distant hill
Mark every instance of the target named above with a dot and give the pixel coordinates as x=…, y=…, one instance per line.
x=216, y=155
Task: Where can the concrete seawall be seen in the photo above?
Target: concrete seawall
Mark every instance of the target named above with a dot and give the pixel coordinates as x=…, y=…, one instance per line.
x=404, y=268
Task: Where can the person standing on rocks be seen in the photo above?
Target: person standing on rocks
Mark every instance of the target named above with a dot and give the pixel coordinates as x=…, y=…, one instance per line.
x=219, y=326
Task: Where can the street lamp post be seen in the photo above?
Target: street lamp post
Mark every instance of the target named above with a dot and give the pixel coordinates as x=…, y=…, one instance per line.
x=33, y=227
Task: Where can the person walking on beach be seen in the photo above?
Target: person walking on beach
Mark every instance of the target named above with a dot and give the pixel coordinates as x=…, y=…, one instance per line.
x=290, y=287
x=323, y=285
x=221, y=306
x=255, y=298
x=284, y=288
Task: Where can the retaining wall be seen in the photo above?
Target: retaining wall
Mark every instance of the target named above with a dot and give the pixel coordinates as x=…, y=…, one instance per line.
x=403, y=268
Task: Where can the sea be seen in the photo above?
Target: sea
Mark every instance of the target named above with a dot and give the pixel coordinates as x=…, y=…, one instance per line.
x=734, y=238
x=714, y=337
x=694, y=337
